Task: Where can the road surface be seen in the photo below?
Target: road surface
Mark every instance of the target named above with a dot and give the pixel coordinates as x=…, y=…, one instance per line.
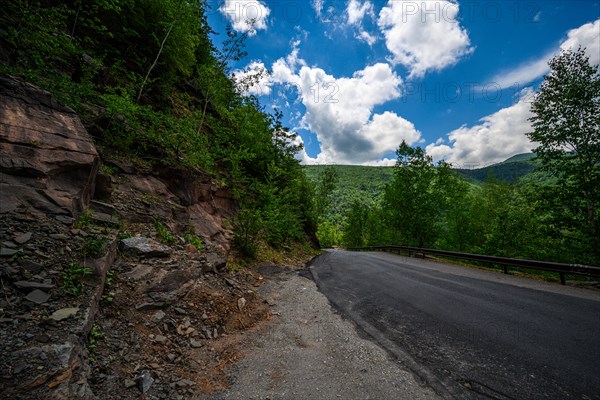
x=471, y=333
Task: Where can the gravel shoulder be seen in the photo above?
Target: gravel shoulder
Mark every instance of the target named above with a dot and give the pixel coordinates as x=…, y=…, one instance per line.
x=308, y=351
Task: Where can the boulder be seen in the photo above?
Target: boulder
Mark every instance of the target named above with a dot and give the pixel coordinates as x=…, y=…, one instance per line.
x=144, y=247
x=48, y=161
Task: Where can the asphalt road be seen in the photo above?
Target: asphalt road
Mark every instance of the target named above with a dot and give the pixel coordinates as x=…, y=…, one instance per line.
x=468, y=333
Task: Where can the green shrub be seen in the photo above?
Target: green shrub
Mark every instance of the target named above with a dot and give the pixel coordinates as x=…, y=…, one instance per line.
x=72, y=278
x=163, y=234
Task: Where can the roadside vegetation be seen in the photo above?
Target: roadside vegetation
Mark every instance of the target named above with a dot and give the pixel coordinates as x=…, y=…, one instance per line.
x=149, y=85
x=542, y=209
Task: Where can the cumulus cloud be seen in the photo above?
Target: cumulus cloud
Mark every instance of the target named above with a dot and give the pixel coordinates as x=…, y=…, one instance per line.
x=424, y=36
x=342, y=114
x=340, y=111
x=356, y=12
x=497, y=137
x=586, y=36
x=246, y=15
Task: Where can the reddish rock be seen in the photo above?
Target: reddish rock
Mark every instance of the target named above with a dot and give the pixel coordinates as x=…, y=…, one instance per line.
x=48, y=161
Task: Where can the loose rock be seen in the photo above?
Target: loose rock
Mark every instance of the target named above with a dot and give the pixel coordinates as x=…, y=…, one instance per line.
x=144, y=247
x=24, y=238
x=64, y=313
x=144, y=381
x=38, y=297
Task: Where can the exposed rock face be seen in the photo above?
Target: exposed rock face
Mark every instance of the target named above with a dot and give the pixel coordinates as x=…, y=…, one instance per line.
x=48, y=161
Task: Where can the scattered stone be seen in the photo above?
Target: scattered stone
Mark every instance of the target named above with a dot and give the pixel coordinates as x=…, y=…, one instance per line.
x=103, y=218
x=5, y=252
x=231, y=282
x=33, y=285
x=216, y=260
x=24, y=238
x=241, y=303
x=196, y=344
x=9, y=244
x=171, y=357
x=185, y=383
x=160, y=339
x=38, y=297
x=149, y=306
x=64, y=313
x=20, y=367
x=64, y=219
x=42, y=338
x=42, y=254
x=59, y=236
x=139, y=272
x=204, y=316
x=31, y=266
x=79, y=232
x=180, y=311
x=158, y=316
x=270, y=301
x=144, y=381
x=102, y=207
x=145, y=247
x=129, y=383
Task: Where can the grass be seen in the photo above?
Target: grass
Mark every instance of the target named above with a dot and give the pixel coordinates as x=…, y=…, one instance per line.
x=72, y=278
x=94, y=337
x=93, y=246
x=163, y=233
x=84, y=220
x=108, y=169
x=191, y=238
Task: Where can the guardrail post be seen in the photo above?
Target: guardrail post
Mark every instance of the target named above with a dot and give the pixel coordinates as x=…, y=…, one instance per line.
x=562, y=278
x=505, y=269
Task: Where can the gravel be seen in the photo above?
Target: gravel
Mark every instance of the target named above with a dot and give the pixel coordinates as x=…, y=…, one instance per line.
x=308, y=351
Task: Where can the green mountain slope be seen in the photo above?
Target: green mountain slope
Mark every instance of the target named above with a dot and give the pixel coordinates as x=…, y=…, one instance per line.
x=509, y=170
x=354, y=183
x=366, y=184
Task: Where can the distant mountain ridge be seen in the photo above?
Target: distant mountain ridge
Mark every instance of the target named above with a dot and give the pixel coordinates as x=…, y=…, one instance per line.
x=509, y=170
x=366, y=184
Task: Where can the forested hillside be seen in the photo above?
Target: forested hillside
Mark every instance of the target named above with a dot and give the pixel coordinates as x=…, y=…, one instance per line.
x=509, y=170
x=150, y=86
x=366, y=185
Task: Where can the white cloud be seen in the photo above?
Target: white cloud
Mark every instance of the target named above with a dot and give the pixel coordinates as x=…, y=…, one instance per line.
x=246, y=15
x=498, y=137
x=366, y=37
x=340, y=111
x=318, y=6
x=587, y=36
x=341, y=114
x=424, y=35
x=356, y=11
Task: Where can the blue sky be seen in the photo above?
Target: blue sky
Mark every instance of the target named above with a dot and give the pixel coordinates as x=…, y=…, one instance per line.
x=356, y=77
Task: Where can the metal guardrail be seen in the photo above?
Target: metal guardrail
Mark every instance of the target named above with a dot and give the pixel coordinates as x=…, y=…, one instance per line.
x=562, y=269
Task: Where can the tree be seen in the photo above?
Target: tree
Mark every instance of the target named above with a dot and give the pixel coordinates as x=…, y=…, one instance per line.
x=356, y=225
x=326, y=184
x=418, y=196
x=566, y=124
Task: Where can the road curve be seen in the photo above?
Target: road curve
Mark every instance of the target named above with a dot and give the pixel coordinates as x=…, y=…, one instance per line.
x=470, y=333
